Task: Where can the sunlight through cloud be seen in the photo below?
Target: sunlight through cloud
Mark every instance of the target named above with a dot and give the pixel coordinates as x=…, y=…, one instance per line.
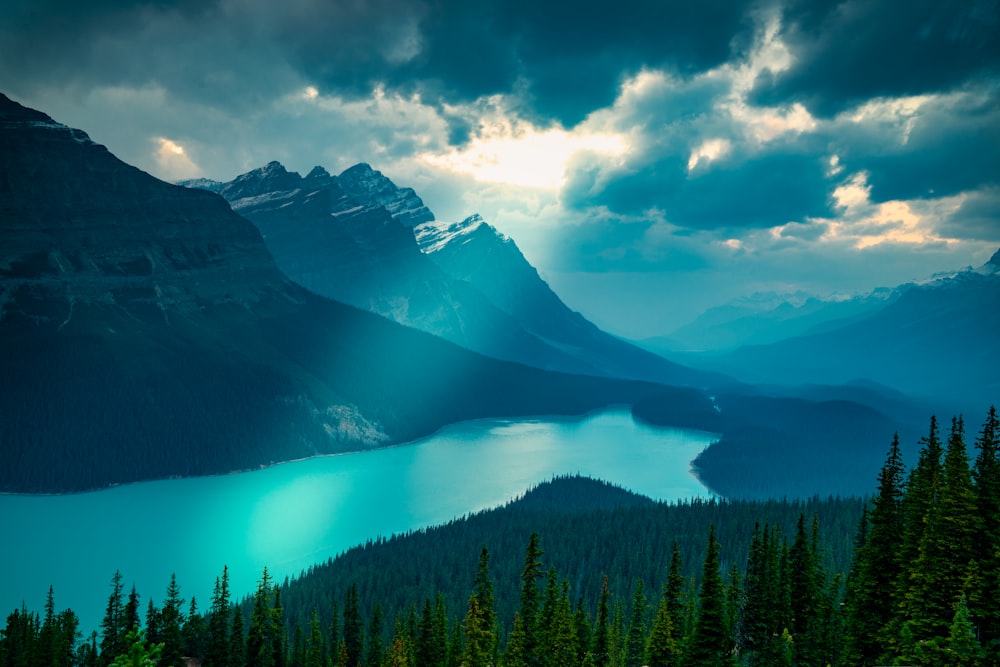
x=528, y=158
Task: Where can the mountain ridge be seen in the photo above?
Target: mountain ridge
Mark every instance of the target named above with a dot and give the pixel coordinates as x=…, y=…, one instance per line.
x=147, y=333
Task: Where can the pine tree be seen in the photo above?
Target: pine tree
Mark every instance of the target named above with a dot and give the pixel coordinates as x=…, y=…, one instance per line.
x=217, y=650
x=478, y=637
x=944, y=553
x=314, y=643
x=709, y=645
x=112, y=626
x=804, y=595
x=373, y=656
x=172, y=619
x=635, y=638
x=963, y=648
x=194, y=633
x=673, y=592
x=662, y=648
x=601, y=639
x=260, y=635
x=526, y=650
x=986, y=480
x=130, y=619
x=138, y=652
x=237, y=642
x=353, y=628
x=482, y=588
x=871, y=599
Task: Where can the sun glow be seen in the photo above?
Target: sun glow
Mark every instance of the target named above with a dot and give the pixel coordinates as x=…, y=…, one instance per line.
x=529, y=158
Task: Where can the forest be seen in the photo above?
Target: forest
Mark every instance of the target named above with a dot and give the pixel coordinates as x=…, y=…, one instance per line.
x=580, y=573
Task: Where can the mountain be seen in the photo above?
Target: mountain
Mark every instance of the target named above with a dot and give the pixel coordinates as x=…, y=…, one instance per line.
x=351, y=248
x=936, y=339
x=764, y=318
x=475, y=252
x=359, y=238
x=146, y=332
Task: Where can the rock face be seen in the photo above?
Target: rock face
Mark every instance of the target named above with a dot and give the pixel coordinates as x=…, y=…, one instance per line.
x=146, y=332
x=359, y=238
x=338, y=237
x=476, y=253
x=78, y=222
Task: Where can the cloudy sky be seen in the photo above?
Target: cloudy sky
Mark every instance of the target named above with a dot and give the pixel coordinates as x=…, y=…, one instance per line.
x=651, y=158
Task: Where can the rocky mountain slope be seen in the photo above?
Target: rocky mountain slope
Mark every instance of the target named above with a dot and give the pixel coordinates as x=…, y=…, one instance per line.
x=359, y=238
x=146, y=332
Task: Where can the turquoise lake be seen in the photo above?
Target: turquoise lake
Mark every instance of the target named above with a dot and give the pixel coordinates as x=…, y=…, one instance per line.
x=290, y=516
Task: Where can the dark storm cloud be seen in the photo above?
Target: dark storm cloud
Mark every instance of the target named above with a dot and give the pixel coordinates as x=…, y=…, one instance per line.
x=977, y=218
x=849, y=51
x=762, y=191
x=951, y=145
x=565, y=59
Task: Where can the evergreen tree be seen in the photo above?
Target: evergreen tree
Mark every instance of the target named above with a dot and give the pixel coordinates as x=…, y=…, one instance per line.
x=237, y=656
x=986, y=479
x=217, y=650
x=130, y=620
x=260, y=636
x=673, y=591
x=172, y=618
x=194, y=633
x=482, y=588
x=314, y=643
x=373, y=656
x=804, y=595
x=963, y=648
x=353, y=628
x=112, y=626
x=635, y=638
x=601, y=640
x=871, y=597
x=662, y=649
x=154, y=624
x=478, y=637
x=936, y=577
x=581, y=629
x=139, y=653
x=562, y=644
x=709, y=645
x=526, y=650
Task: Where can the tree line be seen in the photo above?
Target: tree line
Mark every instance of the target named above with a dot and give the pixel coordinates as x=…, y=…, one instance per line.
x=921, y=588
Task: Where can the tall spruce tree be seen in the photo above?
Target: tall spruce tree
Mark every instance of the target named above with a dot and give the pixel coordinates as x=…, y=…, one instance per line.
x=217, y=650
x=601, y=646
x=525, y=651
x=709, y=644
x=872, y=587
x=172, y=619
x=635, y=639
x=113, y=624
x=983, y=599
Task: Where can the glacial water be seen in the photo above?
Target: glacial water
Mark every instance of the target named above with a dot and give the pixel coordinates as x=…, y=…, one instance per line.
x=290, y=516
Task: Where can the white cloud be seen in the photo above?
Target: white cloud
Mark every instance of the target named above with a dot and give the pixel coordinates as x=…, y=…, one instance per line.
x=173, y=161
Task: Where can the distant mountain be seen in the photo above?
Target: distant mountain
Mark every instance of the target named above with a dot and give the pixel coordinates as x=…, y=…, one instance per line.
x=359, y=238
x=475, y=252
x=146, y=332
x=767, y=318
x=937, y=339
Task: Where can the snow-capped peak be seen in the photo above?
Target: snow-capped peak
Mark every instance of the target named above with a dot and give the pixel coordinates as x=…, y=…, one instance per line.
x=435, y=235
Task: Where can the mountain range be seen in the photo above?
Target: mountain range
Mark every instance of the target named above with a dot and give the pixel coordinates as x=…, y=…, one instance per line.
x=359, y=238
x=151, y=330
x=147, y=332
x=935, y=339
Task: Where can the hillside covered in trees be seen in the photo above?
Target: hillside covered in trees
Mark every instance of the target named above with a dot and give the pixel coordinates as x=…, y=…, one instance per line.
x=610, y=579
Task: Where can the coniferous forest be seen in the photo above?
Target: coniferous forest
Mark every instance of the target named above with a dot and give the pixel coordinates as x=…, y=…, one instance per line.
x=581, y=573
